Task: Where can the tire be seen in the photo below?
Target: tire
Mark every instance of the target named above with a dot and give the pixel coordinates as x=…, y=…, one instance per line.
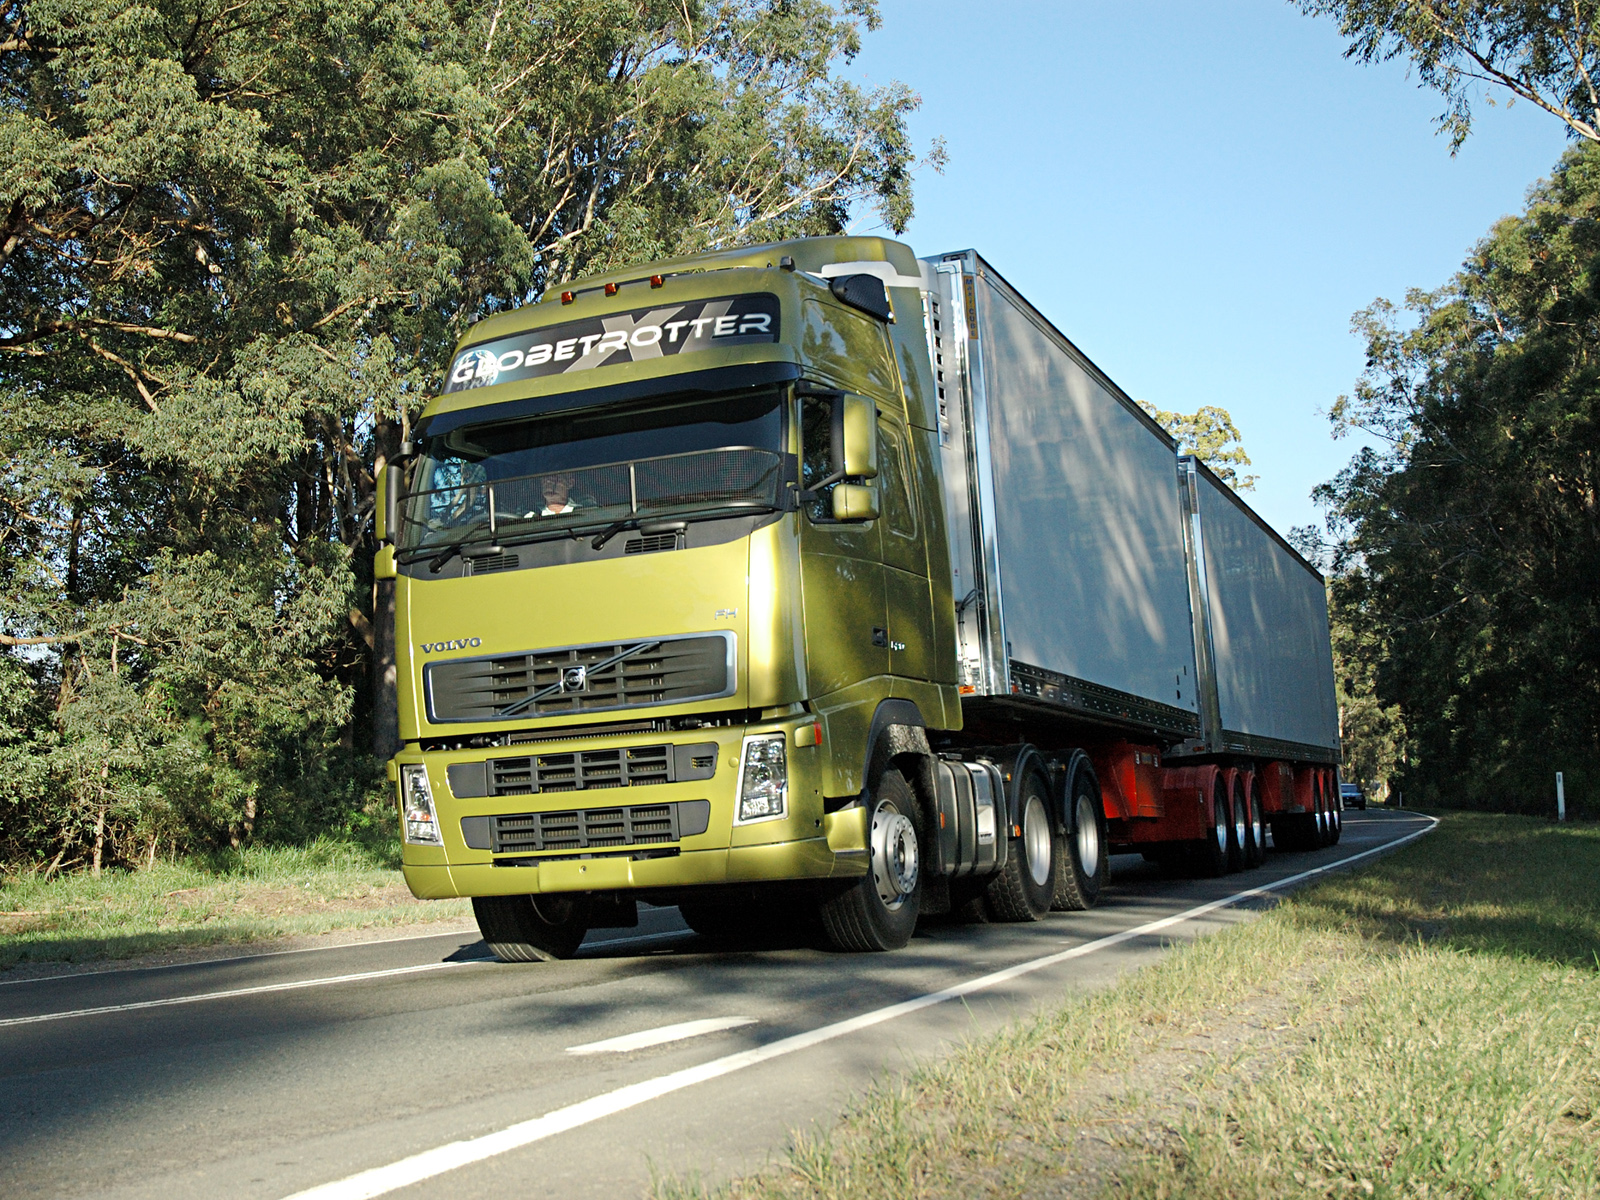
x=1238, y=826
x=1026, y=887
x=1323, y=837
x=879, y=910
x=1209, y=856
x=1255, y=851
x=1084, y=865
x=531, y=928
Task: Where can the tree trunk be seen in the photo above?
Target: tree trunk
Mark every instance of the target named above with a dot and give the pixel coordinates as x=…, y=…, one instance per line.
x=99, y=840
x=385, y=678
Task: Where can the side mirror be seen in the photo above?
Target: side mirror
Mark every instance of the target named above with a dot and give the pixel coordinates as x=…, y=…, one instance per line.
x=383, y=564
x=386, y=512
x=858, y=437
x=855, y=502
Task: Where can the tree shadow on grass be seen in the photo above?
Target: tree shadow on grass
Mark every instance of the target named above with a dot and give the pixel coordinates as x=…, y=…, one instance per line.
x=1487, y=883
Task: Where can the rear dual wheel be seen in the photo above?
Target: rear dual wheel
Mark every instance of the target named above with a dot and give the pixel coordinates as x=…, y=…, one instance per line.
x=1026, y=887
x=1084, y=865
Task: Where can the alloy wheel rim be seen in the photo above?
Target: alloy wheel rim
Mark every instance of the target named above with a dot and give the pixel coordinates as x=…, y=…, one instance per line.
x=1088, y=837
x=895, y=865
x=1036, y=839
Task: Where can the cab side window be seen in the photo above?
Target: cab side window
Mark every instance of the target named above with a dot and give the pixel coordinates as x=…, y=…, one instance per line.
x=816, y=453
x=896, y=496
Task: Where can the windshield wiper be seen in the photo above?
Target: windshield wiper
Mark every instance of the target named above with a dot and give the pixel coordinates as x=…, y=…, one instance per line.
x=611, y=531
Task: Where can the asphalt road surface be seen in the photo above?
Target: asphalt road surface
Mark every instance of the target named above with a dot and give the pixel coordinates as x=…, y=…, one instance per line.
x=422, y=1067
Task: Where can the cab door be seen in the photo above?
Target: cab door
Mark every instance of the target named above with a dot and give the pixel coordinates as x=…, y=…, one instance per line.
x=841, y=574
x=907, y=597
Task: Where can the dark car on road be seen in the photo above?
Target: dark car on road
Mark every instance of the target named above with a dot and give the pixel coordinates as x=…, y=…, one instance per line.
x=1352, y=795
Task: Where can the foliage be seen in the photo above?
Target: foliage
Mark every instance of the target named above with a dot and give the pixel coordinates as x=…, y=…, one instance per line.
x=1546, y=53
x=1211, y=436
x=237, y=241
x=256, y=892
x=1468, y=545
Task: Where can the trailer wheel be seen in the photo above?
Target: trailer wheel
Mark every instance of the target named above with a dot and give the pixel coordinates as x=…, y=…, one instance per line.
x=531, y=928
x=1210, y=854
x=879, y=910
x=1025, y=888
x=1238, y=826
x=1321, y=836
x=1255, y=828
x=1085, y=866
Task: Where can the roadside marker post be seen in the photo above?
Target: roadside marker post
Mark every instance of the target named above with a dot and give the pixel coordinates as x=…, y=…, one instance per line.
x=1561, y=798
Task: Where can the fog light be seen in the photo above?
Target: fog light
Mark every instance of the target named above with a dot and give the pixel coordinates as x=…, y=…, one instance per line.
x=763, y=778
x=416, y=806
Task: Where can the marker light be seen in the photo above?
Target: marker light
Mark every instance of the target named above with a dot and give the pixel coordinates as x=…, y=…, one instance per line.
x=611, y=289
x=416, y=806
x=763, y=779
x=567, y=297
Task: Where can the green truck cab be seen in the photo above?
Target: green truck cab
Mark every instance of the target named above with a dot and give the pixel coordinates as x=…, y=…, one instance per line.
x=671, y=573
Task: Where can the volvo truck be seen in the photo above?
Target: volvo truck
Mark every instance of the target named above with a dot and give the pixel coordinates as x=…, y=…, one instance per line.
x=816, y=583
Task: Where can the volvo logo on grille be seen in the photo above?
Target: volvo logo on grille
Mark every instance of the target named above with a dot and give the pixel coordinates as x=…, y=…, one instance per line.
x=575, y=679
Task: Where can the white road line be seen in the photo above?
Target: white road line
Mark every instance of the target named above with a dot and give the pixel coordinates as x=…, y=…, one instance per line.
x=234, y=958
x=381, y=1180
x=258, y=990
x=660, y=1037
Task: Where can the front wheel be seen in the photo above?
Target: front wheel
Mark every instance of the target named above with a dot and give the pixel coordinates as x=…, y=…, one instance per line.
x=879, y=911
x=531, y=928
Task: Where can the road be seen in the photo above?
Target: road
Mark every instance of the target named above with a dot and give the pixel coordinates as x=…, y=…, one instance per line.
x=421, y=1067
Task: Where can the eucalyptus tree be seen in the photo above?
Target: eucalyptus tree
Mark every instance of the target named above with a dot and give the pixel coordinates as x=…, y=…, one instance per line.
x=1544, y=52
x=1467, y=539
x=237, y=239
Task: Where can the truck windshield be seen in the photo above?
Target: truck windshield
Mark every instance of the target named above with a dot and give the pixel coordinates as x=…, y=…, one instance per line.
x=662, y=459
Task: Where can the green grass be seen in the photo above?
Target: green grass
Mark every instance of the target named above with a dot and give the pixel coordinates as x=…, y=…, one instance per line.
x=1427, y=1027
x=249, y=895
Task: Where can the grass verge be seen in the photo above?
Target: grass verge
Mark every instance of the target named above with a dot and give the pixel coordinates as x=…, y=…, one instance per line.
x=1427, y=1027
x=250, y=895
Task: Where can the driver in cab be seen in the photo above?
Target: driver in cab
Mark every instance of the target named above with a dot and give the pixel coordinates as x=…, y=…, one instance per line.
x=557, y=492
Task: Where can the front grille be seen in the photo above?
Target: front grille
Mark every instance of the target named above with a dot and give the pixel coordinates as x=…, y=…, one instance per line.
x=581, y=679
x=588, y=828
x=580, y=770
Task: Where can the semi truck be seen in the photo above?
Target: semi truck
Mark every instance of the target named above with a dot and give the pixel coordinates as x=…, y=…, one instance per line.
x=814, y=583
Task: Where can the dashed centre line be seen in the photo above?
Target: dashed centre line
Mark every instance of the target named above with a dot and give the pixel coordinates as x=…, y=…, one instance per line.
x=646, y=1038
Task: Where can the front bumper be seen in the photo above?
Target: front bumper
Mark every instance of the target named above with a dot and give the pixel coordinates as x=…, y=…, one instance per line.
x=805, y=843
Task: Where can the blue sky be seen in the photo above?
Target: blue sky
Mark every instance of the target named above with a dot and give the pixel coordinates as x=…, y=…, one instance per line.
x=1199, y=195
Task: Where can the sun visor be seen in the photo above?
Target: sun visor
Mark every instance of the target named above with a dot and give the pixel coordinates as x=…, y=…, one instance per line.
x=689, y=385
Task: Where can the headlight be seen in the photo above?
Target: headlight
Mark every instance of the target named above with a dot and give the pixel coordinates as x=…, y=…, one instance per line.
x=764, y=778
x=416, y=807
